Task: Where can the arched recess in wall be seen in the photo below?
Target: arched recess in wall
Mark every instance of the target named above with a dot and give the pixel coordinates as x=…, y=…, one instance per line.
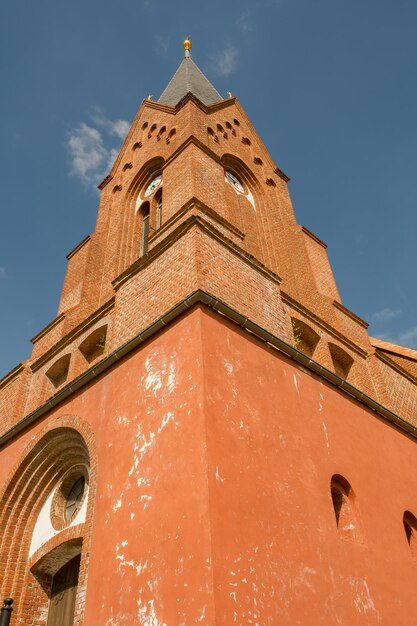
x=410, y=528
x=245, y=207
x=31, y=506
x=305, y=338
x=133, y=216
x=144, y=216
x=344, y=507
x=342, y=361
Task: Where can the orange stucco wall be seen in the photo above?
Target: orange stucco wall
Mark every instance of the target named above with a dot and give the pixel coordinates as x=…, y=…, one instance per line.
x=214, y=460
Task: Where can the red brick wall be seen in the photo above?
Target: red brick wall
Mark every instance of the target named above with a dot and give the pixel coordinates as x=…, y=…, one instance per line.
x=192, y=160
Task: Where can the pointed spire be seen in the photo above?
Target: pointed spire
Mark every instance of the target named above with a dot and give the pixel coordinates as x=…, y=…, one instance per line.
x=189, y=78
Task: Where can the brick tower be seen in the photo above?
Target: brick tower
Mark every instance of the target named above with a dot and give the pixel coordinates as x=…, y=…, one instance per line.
x=205, y=434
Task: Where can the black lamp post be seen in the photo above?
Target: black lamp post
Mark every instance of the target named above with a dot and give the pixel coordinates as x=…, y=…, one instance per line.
x=6, y=612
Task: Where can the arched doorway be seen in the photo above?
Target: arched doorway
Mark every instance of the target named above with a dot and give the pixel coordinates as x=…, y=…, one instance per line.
x=63, y=594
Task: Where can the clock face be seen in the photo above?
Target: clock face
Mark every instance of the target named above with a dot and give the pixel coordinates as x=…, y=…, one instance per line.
x=153, y=185
x=233, y=180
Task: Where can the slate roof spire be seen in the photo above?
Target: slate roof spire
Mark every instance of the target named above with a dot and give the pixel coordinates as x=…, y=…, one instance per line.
x=189, y=78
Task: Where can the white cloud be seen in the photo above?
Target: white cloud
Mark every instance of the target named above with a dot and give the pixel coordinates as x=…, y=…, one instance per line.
x=162, y=44
x=244, y=22
x=225, y=61
x=3, y=272
x=88, y=153
x=385, y=314
x=409, y=337
x=111, y=157
x=384, y=337
x=118, y=128
x=91, y=153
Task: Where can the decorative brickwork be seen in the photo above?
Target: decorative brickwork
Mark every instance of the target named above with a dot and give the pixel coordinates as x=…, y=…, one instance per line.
x=202, y=356
x=59, y=448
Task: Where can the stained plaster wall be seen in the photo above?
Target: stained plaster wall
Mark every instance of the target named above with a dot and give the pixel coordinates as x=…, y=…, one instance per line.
x=213, y=504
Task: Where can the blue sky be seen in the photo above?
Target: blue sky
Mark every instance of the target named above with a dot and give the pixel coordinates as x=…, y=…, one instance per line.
x=330, y=85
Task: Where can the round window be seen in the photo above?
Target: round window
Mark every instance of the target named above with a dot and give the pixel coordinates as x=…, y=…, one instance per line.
x=68, y=496
x=153, y=185
x=234, y=181
x=74, y=498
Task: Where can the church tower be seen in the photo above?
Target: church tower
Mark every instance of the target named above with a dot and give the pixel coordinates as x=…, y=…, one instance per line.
x=205, y=434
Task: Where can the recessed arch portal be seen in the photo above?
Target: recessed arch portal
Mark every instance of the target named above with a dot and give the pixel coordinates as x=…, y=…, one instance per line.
x=40, y=471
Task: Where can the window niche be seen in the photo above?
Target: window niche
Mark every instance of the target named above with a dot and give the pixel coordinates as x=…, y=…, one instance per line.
x=410, y=528
x=342, y=361
x=58, y=372
x=161, y=132
x=94, y=345
x=171, y=135
x=305, y=338
x=343, y=499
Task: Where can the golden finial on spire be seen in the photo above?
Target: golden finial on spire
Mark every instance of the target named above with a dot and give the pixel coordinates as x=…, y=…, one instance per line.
x=187, y=45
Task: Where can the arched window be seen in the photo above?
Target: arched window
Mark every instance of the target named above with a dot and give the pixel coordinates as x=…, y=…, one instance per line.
x=145, y=213
x=410, y=528
x=158, y=206
x=343, y=507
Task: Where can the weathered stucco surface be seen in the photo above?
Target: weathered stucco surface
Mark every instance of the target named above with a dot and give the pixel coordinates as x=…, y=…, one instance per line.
x=213, y=506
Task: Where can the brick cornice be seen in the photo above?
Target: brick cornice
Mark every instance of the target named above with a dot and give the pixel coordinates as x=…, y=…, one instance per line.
x=73, y=334
x=47, y=328
x=196, y=298
x=190, y=97
x=105, y=182
x=11, y=375
x=180, y=231
x=287, y=299
x=282, y=175
x=78, y=247
x=313, y=236
x=195, y=202
x=395, y=366
x=349, y=313
x=192, y=140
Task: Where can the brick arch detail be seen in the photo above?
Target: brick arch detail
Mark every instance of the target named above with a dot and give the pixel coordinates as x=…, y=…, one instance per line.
x=253, y=219
x=71, y=535
x=64, y=442
x=131, y=222
x=241, y=168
